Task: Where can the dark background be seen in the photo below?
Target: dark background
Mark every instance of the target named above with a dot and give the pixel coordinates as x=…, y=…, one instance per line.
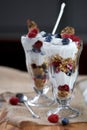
x=13, y=17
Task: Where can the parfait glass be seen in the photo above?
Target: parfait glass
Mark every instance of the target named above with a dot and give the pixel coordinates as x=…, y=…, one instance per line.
x=64, y=73
x=37, y=64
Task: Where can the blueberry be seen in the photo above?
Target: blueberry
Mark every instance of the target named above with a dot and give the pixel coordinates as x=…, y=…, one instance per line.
x=57, y=35
x=39, y=76
x=36, y=50
x=69, y=73
x=44, y=35
x=65, y=121
x=65, y=41
x=48, y=38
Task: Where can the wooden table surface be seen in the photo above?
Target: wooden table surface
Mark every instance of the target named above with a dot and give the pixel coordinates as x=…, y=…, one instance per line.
x=25, y=126
x=75, y=126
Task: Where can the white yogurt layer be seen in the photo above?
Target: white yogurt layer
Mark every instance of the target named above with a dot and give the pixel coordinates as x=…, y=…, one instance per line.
x=51, y=48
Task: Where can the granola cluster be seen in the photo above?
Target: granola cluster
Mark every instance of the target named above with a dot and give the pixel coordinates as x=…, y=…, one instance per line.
x=65, y=65
x=40, y=74
x=68, y=30
x=63, y=91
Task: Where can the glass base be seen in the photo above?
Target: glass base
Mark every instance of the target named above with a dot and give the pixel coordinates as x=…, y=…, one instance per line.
x=42, y=97
x=65, y=111
x=41, y=100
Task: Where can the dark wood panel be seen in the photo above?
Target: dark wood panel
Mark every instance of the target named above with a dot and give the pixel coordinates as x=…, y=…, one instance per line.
x=12, y=54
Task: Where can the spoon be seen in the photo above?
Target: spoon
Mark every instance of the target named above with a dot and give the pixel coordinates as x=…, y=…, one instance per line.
x=24, y=99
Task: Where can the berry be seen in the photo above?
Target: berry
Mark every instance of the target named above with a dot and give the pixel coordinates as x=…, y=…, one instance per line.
x=65, y=121
x=65, y=41
x=36, y=50
x=66, y=87
x=14, y=100
x=39, y=77
x=33, y=33
x=69, y=73
x=45, y=35
x=48, y=38
x=67, y=36
x=35, y=30
x=63, y=87
x=57, y=70
x=37, y=46
x=55, y=63
x=53, y=118
x=69, y=66
x=57, y=35
x=76, y=38
x=72, y=37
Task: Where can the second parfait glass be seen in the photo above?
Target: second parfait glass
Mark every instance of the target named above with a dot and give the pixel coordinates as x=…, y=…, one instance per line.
x=64, y=72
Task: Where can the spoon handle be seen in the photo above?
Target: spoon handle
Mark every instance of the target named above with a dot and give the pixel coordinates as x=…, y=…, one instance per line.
x=31, y=111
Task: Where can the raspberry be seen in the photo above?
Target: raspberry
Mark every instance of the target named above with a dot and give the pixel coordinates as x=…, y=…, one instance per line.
x=53, y=118
x=37, y=45
x=63, y=87
x=76, y=38
x=73, y=37
x=14, y=100
x=35, y=30
x=67, y=36
x=66, y=87
x=33, y=33
x=57, y=70
x=69, y=66
x=55, y=63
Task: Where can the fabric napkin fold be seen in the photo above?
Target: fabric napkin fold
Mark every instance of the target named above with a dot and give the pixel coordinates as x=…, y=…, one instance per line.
x=18, y=114
x=13, y=81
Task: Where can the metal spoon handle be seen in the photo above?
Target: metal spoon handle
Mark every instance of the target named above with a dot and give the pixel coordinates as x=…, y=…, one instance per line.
x=31, y=111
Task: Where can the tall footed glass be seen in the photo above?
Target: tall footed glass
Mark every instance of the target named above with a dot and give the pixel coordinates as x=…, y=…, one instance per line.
x=38, y=67
x=64, y=72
